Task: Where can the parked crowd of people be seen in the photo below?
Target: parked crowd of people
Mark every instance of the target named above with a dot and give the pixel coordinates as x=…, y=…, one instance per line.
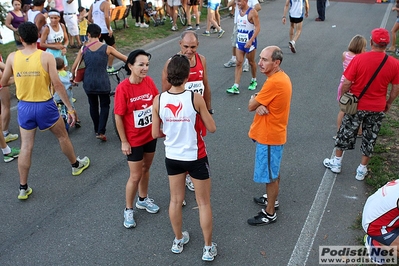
x=182, y=111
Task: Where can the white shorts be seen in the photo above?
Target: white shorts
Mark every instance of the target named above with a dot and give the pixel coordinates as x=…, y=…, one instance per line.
x=71, y=22
x=174, y=2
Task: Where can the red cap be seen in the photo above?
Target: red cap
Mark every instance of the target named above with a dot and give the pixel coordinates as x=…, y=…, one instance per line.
x=380, y=36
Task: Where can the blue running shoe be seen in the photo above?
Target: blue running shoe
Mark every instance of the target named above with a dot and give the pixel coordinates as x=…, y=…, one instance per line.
x=147, y=204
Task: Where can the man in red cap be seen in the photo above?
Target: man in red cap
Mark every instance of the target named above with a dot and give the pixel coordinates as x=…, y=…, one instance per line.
x=372, y=106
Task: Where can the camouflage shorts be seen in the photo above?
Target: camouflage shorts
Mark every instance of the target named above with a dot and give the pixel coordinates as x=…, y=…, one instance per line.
x=347, y=133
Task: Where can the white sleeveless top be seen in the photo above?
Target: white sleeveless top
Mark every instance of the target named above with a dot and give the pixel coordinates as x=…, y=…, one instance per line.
x=55, y=36
x=98, y=16
x=182, y=126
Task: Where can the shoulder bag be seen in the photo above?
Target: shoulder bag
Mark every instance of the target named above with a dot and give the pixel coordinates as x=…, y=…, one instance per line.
x=348, y=101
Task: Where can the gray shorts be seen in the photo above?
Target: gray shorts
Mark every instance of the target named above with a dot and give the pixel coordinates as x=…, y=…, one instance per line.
x=234, y=36
x=371, y=124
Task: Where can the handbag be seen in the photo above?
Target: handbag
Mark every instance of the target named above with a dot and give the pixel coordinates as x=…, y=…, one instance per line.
x=80, y=72
x=348, y=101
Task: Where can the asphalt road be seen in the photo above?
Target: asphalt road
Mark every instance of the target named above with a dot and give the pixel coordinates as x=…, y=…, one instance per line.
x=78, y=220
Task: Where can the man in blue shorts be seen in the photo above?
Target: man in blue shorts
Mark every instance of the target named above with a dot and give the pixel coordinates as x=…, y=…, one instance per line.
x=296, y=13
x=34, y=70
x=248, y=28
x=269, y=130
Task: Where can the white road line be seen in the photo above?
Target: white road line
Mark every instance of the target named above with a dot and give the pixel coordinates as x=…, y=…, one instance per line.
x=309, y=231
x=304, y=244
x=385, y=18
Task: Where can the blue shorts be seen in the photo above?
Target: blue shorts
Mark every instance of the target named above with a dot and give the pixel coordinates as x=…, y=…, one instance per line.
x=241, y=46
x=213, y=6
x=37, y=114
x=198, y=169
x=267, y=162
x=388, y=238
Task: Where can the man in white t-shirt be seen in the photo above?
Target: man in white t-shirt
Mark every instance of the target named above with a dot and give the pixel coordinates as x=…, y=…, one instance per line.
x=296, y=10
x=380, y=218
x=232, y=62
x=71, y=21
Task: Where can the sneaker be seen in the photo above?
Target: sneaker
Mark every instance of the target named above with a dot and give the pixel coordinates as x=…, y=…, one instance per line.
x=252, y=86
x=129, y=221
x=110, y=69
x=197, y=27
x=210, y=253
x=230, y=63
x=189, y=183
x=262, y=218
x=12, y=155
x=24, y=194
x=220, y=34
x=214, y=30
x=360, y=175
x=143, y=25
x=206, y=33
x=137, y=24
x=147, y=204
x=233, y=90
x=335, y=168
x=189, y=27
x=368, y=243
x=245, y=67
x=83, y=164
x=262, y=200
x=10, y=137
x=174, y=28
x=177, y=246
x=291, y=44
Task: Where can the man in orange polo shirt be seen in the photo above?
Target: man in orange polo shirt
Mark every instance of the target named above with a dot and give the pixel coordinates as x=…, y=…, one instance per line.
x=269, y=130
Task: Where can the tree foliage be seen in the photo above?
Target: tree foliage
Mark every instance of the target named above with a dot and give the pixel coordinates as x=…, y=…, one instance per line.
x=4, y=8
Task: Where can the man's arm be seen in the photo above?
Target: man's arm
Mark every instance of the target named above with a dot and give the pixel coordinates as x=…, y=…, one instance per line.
x=90, y=14
x=207, y=89
x=40, y=21
x=392, y=96
x=346, y=85
x=306, y=8
x=286, y=7
x=106, y=8
x=253, y=16
x=8, y=71
x=165, y=84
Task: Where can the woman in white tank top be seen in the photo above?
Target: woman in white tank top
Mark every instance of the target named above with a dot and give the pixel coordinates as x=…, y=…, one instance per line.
x=54, y=37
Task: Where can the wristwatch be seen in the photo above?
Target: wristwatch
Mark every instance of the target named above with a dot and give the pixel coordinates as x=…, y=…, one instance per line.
x=211, y=111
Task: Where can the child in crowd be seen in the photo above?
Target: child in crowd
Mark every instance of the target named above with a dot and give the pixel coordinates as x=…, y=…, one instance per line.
x=83, y=23
x=65, y=77
x=356, y=46
x=150, y=12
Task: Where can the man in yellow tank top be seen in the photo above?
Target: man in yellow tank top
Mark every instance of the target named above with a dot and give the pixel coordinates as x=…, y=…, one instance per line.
x=34, y=70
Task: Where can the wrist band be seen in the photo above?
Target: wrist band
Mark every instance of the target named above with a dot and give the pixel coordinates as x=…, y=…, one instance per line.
x=71, y=111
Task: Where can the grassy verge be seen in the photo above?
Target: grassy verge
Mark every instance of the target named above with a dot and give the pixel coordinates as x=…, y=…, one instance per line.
x=383, y=166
